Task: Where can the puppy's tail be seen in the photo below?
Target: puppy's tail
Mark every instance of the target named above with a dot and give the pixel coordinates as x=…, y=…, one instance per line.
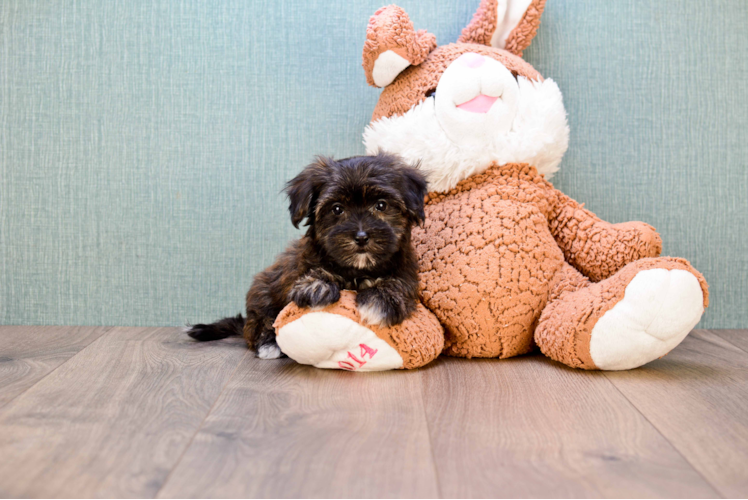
x=221, y=329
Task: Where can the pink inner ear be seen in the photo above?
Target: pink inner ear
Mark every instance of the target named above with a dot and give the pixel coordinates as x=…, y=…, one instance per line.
x=390, y=29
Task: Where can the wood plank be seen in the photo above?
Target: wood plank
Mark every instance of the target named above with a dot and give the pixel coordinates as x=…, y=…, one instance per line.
x=738, y=338
x=697, y=397
x=113, y=420
x=530, y=427
x=29, y=353
x=285, y=430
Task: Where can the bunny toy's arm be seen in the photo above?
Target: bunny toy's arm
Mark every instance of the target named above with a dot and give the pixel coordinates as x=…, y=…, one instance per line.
x=597, y=248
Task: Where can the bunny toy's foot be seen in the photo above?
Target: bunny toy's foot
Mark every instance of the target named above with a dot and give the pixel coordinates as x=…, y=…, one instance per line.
x=658, y=310
x=627, y=320
x=336, y=337
x=329, y=340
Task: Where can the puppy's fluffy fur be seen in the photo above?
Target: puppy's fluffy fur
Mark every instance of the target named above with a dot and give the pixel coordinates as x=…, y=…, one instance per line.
x=359, y=212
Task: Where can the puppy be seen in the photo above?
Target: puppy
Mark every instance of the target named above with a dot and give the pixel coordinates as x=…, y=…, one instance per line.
x=359, y=212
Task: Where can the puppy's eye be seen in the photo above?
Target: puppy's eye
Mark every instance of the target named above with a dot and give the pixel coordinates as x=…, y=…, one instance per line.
x=337, y=209
x=381, y=205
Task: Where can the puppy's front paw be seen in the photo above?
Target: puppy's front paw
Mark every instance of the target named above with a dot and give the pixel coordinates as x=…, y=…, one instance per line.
x=376, y=308
x=310, y=292
x=269, y=351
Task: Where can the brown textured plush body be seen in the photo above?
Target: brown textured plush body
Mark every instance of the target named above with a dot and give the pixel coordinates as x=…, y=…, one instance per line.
x=507, y=262
x=493, y=265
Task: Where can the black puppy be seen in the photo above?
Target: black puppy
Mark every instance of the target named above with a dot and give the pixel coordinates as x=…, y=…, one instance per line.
x=360, y=212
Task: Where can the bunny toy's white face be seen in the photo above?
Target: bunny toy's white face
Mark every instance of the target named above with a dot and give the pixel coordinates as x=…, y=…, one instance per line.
x=479, y=115
x=466, y=107
x=477, y=100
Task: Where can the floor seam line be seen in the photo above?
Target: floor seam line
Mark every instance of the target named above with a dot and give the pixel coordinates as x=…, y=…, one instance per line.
x=107, y=329
x=713, y=332
x=677, y=450
x=431, y=441
x=200, y=426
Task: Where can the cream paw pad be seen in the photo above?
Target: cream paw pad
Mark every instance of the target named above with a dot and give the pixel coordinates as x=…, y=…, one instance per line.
x=336, y=337
x=659, y=309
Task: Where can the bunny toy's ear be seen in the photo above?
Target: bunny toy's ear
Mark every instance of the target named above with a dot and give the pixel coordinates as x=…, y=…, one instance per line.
x=392, y=45
x=505, y=24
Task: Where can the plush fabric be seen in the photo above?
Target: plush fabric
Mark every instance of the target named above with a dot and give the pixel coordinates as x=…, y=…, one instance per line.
x=507, y=262
x=417, y=341
x=504, y=24
x=540, y=137
x=647, y=322
x=412, y=85
x=521, y=35
x=391, y=32
x=492, y=258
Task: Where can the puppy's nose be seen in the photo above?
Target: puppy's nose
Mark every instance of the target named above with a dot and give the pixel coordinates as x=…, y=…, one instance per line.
x=361, y=238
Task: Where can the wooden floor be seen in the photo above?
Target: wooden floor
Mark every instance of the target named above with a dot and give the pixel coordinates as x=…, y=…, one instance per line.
x=146, y=412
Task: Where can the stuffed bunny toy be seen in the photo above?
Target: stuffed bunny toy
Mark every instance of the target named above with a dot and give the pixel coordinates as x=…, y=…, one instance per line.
x=507, y=262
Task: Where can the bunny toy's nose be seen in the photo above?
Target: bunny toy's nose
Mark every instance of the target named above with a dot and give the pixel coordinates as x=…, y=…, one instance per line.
x=472, y=60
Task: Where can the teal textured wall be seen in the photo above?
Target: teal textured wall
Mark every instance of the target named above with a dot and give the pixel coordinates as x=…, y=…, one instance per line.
x=143, y=144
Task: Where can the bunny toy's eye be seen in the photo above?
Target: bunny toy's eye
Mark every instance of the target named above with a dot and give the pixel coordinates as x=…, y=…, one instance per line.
x=337, y=209
x=381, y=205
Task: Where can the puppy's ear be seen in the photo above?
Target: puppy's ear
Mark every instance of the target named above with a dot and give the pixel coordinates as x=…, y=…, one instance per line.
x=413, y=188
x=304, y=189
